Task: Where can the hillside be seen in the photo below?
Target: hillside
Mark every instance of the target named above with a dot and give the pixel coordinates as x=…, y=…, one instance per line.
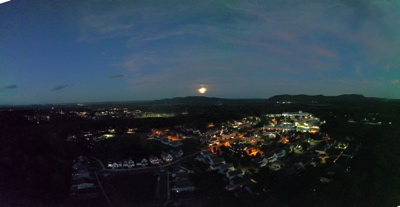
x=202, y=100
x=317, y=98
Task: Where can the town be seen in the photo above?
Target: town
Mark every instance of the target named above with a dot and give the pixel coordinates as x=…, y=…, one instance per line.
x=278, y=103
x=237, y=152
x=173, y=154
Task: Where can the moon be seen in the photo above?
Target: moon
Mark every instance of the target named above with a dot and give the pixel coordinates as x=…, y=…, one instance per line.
x=202, y=90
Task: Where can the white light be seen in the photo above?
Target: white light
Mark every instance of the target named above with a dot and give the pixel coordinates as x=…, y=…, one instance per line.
x=4, y=1
x=202, y=90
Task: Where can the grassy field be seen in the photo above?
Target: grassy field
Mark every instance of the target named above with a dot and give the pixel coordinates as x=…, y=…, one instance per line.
x=135, y=188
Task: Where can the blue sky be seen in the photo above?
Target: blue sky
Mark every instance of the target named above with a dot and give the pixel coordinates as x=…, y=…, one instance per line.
x=115, y=50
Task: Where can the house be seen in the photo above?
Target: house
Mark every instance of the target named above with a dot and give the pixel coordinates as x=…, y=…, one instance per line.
x=179, y=173
x=207, y=159
x=264, y=162
x=154, y=160
x=138, y=162
x=81, y=159
x=248, y=138
x=181, y=176
x=84, y=194
x=196, y=131
x=234, y=173
x=303, y=161
x=206, y=153
x=215, y=166
x=114, y=165
x=81, y=183
x=131, y=163
x=166, y=157
x=281, y=154
x=178, y=153
x=341, y=145
x=272, y=158
x=321, y=150
x=178, y=169
x=226, y=167
x=144, y=162
x=165, y=140
x=228, y=135
x=325, y=180
x=275, y=166
x=80, y=171
x=175, y=144
x=213, y=141
x=348, y=153
x=200, y=158
x=261, y=161
x=216, y=160
x=271, y=135
x=212, y=132
x=202, y=139
x=125, y=164
x=237, y=182
x=203, y=155
x=110, y=164
x=269, y=127
x=255, y=123
x=288, y=127
x=181, y=186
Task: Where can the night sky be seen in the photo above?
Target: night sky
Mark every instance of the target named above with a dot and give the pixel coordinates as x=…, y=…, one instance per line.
x=65, y=51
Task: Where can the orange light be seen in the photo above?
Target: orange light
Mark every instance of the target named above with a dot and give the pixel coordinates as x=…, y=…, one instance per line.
x=284, y=140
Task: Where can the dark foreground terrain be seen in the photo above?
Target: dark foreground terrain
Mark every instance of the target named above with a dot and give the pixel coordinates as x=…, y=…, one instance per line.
x=36, y=151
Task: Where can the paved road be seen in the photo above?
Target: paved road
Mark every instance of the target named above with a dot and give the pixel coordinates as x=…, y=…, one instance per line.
x=112, y=198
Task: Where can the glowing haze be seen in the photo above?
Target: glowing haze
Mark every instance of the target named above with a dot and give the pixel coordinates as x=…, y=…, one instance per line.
x=84, y=51
x=202, y=90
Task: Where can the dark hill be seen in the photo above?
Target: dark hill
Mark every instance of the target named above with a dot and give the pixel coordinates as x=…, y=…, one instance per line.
x=316, y=98
x=202, y=100
x=191, y=100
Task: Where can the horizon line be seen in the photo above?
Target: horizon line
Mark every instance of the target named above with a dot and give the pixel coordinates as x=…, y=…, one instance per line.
x=99, y=102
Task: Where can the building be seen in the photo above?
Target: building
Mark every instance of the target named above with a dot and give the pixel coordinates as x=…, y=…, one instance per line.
x=166, y=157
x=154, y=160
x=237, y=182
x=234, y=173
x=185, y=185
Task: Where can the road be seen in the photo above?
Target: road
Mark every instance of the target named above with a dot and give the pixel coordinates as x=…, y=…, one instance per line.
x=109, y=193
x=162, y=191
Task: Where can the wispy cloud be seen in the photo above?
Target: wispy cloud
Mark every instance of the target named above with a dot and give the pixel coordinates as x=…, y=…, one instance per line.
x=255, y=40
x=324, y=52
x=8, y=87
x=59, y=87
x=165, y=35
x=117, y=76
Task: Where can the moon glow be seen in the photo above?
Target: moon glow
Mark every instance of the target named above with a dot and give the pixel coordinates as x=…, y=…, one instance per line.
x=202, y=90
